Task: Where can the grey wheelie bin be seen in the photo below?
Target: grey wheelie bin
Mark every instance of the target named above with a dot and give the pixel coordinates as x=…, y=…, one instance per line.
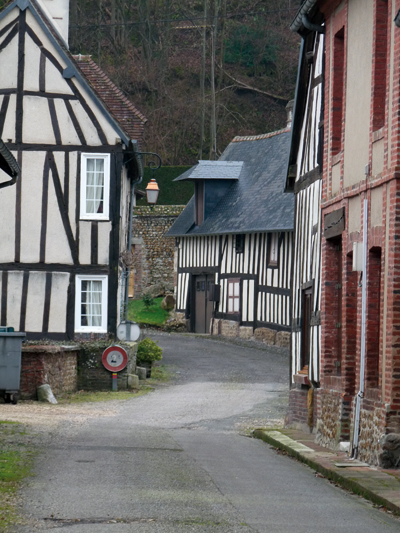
x=10, y=363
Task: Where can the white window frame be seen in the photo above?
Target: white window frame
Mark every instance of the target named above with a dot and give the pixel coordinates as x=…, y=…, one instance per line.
x=106, y=200
x=233, y=295
x=104, y=304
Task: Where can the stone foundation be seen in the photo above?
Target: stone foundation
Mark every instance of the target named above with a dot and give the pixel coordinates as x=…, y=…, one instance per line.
x=231, y=328
x=333, y=419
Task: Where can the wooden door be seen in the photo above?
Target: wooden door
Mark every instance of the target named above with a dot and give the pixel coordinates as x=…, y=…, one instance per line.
x=306, y=328
x=203, y=307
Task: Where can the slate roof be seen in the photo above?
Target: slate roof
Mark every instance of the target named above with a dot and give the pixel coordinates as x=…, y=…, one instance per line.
x=256, y=202
x=206, y=170
x=116, y=102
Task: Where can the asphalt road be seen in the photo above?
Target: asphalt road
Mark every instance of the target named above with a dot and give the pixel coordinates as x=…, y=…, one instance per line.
x=181, y=459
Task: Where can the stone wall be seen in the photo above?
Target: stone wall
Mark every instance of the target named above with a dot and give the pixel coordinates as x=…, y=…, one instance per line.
x=93, y=376
x=153, y=252
x=333, y=418
x=231, y=328
x=54, y=365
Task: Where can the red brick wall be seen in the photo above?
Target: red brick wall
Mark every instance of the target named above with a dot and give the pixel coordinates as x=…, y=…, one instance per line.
x=45, y=364
x=380, y=409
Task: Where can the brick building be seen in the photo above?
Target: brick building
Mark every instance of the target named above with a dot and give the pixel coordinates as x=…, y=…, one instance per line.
x=356, y=391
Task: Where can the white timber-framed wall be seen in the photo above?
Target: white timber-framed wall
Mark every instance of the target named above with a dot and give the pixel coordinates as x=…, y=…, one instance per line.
x=51, y=121
x=307, y=174
x=264, y=289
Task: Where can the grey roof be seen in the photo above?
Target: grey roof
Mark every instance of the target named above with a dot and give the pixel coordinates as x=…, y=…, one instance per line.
x=256, y=202
x=206, y=170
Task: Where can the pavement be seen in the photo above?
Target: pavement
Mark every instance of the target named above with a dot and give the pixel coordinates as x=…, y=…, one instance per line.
x=380, y=486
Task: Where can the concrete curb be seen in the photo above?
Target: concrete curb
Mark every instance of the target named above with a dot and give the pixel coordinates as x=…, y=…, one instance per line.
x=375, y=485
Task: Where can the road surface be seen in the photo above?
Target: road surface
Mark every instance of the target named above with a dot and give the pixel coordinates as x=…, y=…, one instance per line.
x=181, y=458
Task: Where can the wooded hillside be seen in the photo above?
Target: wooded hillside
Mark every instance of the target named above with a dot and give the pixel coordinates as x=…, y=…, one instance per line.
x=201, y=71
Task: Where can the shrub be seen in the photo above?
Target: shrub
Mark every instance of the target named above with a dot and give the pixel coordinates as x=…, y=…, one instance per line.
x=147, y=300
x=148, y=350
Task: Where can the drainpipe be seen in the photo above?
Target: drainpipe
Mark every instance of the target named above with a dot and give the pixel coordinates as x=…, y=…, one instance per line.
x=153, y=166
x=360, y=394
x=134, y=182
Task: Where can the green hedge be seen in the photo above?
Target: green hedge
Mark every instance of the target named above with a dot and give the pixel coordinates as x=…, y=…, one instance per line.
x=171, y=193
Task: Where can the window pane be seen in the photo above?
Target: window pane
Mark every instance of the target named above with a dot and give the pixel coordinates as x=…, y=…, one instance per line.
x=230, y=305
x=237, y=289
x=230, y=289
x=236, y=305
x=91, y=307
x=94, y=185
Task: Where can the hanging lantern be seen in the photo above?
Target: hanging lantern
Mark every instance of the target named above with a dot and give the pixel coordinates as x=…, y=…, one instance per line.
x=152, y=191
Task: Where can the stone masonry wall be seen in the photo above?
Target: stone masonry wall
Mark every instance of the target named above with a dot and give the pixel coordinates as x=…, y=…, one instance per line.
x=153, y=252
x=231, y=328
x=54, y=365
x=93, y=376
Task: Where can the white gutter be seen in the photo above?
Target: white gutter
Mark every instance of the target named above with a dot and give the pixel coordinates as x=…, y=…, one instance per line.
x=360, y=394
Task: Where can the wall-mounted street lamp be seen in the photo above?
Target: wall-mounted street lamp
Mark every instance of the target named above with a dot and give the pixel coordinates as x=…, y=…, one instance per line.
x=397, y=19
x=152, y=191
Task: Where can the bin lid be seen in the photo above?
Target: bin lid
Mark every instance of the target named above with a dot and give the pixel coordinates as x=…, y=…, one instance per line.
x=5, y=329
x=12, y=334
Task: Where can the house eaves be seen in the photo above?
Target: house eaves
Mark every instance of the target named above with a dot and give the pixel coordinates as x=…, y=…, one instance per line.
x=304, y=10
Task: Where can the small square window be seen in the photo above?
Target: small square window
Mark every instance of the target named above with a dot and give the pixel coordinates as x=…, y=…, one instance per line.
x=95, y=186
x=91, y=304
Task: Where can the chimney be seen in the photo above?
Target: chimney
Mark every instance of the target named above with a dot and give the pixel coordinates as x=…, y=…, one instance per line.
x=289, y=111
x=57, y=11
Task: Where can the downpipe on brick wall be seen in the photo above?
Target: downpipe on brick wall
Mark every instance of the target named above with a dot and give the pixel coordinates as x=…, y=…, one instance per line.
x=360, y=394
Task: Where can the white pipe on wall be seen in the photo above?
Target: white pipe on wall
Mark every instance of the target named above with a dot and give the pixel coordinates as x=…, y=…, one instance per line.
x=360, y=394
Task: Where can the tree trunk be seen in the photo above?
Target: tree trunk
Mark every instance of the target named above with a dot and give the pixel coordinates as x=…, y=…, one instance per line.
x=202, y=81
x=213, y=121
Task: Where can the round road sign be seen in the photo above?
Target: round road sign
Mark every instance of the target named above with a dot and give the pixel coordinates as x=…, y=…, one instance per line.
x=115, y=358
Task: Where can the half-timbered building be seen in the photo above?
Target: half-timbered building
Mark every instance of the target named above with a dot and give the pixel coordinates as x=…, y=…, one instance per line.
x=305, y=181
x=234, y=242
x=75, y=137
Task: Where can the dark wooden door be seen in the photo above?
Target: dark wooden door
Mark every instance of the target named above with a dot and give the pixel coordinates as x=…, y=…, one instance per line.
x=203, y=307
x=306, y=327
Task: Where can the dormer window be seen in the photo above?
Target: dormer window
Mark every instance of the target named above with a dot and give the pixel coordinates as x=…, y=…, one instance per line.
x=239, y=243
x=199, y=202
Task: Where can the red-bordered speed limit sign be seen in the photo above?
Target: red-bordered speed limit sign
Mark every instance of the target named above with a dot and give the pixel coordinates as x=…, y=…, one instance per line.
x=115, y=358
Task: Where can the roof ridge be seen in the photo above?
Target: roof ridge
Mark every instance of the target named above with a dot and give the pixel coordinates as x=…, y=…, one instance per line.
x=239, y=138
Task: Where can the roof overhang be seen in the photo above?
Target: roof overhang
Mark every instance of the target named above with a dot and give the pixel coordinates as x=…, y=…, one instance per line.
x=304, y=10
x=213, y=170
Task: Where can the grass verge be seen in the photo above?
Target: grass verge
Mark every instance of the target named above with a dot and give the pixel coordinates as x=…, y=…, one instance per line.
x=155, y=315
x=16, y=458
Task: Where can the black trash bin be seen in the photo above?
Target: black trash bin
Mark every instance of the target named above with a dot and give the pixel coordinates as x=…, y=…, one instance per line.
x=10, y=363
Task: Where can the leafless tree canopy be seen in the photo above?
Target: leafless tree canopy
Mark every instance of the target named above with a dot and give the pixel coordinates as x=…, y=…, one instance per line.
x=202, y=71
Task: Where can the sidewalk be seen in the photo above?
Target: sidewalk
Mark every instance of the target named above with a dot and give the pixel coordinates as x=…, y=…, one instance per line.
x=381, y=487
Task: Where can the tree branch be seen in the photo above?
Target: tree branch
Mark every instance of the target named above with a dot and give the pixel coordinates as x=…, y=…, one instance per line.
x=245, y=86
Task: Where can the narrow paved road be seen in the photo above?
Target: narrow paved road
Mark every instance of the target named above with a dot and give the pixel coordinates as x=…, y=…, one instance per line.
x=180, y=459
